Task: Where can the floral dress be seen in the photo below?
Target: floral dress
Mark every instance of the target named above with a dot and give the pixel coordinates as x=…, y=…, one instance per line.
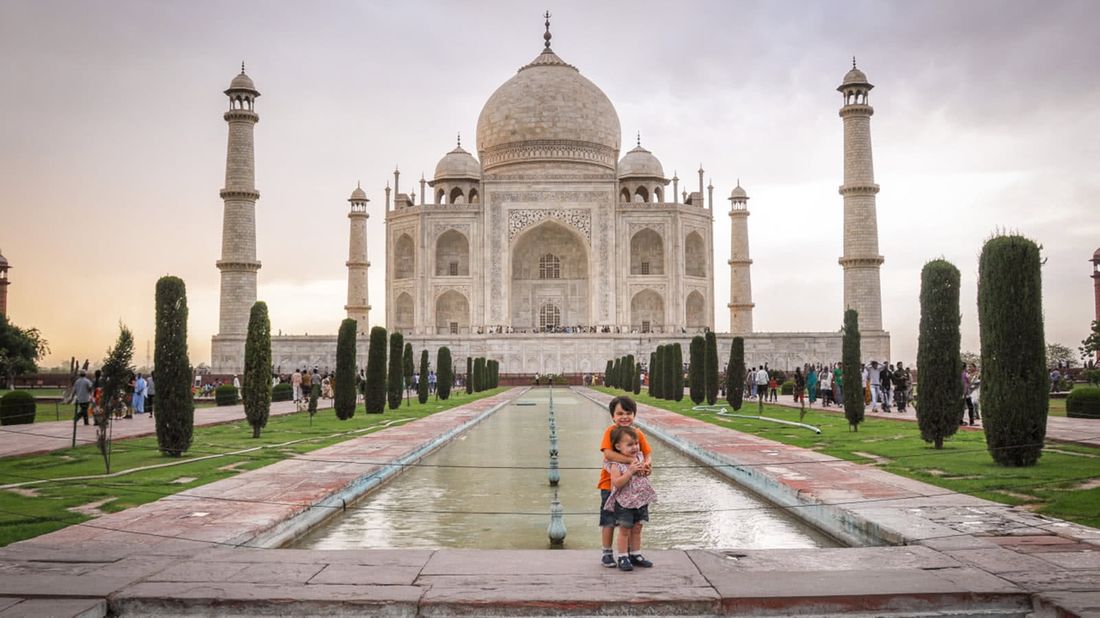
x=635, y=494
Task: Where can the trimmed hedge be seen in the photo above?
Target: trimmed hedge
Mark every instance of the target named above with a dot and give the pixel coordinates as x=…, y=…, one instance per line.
x=256, y=381
x=850, y=355
x=344, y=399
x=787, y=388
x=226, y=395
x=696, y=380
x=938, y=362
x=17, y=408
x=1083, y=402
x=282, y=392
x=175, y=414
x=375, y=399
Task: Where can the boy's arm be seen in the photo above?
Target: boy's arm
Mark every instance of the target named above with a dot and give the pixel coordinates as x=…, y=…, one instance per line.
x=610, y=454
x=618, y=479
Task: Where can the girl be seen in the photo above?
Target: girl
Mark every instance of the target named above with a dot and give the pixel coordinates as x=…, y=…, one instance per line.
x=630, y=497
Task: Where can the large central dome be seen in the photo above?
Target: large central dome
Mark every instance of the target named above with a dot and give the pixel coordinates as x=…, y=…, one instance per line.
x=548, y=112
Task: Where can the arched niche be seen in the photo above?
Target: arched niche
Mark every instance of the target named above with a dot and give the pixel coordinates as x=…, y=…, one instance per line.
x=452, y=313
x=404, y=258
x=695, y=310
x=403, y=313
x=452, y=254
x=647, y=253
x=695, y=256
x=647, y=311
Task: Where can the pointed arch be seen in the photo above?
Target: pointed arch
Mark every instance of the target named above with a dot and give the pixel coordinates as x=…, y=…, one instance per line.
x=404, y=257
x=452, y=254
x=695, y=310
x=452, y=313
x=695, y=255
x=647, y=253
x=403, y=313
x=647, y=311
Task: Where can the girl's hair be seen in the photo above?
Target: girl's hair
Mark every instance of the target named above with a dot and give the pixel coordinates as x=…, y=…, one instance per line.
x=618, y=432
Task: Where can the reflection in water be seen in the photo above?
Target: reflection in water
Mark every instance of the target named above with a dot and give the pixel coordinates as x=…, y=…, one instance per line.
x=485, y=503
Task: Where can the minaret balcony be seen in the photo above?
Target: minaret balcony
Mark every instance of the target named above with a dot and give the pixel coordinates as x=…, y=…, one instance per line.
x=866, y=188
x=241, y=115
x=239, y=194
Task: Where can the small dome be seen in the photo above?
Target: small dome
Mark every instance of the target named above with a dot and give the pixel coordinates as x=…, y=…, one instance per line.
x=1095, y=255
x=242, y=82
x=640, y=162
x=855, y=76
x=358, y=195
x=4, y=260
x=457, y=164
x=738, y=193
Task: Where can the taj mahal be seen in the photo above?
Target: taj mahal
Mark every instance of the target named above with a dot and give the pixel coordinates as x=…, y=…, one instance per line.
x=549, y=251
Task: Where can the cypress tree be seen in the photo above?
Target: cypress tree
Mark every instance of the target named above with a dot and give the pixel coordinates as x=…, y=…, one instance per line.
x=1015, y=383
x=853, y=381
x=256, y=385
x=422, y=385
x=175, y=415
x=494, y=373
x=615, y=372
x=711, y=363
x=444, y=373
x=395, y=376
x=479, y=374
x=696, y=380
x=652, y=364
x=735, y=374
x=607, y=373
x=408, y=364
x=469, y=375
x=676, y=378
x=344, y=397
x=376, y=372
x=657, y=373
x=637, y=379
x=938, y=362
x=628, y=373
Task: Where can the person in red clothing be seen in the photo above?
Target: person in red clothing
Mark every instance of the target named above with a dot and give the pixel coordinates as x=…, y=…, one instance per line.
x=623, y=411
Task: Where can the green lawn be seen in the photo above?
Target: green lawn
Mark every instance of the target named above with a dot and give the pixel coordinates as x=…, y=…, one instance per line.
x=37, y=509
x=1065, y=483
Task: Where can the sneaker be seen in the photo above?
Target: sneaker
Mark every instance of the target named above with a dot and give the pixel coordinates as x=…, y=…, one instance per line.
x=608, y=560
x=624, y=564
x=639, y=560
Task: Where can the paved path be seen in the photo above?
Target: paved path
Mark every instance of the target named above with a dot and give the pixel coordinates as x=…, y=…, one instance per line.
x=194, y=553
x=38, y=438
x=1059, y=428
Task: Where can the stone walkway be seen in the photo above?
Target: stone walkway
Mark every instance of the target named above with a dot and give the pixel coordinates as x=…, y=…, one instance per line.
x=1059, y=428
x=38, y=438
x=195, y=553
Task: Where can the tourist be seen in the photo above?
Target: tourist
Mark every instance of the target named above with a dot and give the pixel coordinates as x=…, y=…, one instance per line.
x=811, y=384
x=970, y=385
x=762, y=382
x=623, y=412
x=296, y=385
x=825, y=386
x=307, y=384
x=901, y=387
x=799, y=385
x=885, y=377
x=773, y=386
x=138, y=401
x=874, y=382
x=317, y=383
x=431, y=381
x=750, y=383
x=838, y=385
x=630, y=497
x=82, y=395
x=150, y=393
x=326, y=387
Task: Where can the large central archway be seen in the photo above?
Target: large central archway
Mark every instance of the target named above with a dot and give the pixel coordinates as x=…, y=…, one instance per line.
x=549, y=267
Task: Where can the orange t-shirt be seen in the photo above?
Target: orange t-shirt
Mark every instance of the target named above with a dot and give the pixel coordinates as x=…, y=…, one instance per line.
x=605, y=476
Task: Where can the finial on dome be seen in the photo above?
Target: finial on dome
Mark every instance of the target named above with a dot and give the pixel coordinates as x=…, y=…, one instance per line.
x=359, y=184
x=242, y=67
x=546, y=37
x=460, y=139
x=639, y=139
x=853, y=62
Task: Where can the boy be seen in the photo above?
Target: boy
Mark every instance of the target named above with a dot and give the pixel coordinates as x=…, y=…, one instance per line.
x=623, y=410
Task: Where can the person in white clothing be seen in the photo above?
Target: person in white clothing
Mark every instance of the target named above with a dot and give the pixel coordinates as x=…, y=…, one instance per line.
x=762, y=382
x=876, y=385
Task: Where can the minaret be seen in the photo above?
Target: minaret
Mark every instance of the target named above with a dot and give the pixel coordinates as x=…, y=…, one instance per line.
x=861, y=260
x=238, y=264
x=740, y=280
x=1095, y=286
x=4, y=283
x=358, y=309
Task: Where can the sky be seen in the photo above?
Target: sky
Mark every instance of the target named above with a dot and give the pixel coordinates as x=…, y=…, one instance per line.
x=112, y=144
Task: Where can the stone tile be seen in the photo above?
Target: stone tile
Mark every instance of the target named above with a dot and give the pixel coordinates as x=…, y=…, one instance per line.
x=360, y=575
x=388, y=557
x=8, y=602
x=57, y=608
x=204, y=571
x=149, y=598
x=65, y=586
x=1068, y=603
x=1087, y=559
x=998, y=560
x=540, y=562
x=286, y=573
x=1055, y=580
x=962, y=541
x=727, y=561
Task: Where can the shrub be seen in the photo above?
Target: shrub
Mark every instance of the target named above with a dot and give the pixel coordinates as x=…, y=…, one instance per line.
x=938, y=361
x=422, y=385
x=226, y=395
x=256, y=382
x=479, y=374
x=787, y=388
x=175, y=415
x=444, y=373
x=652, y=364
x=280, y=392
x=344, y=397
x=1083, y=402
x=495, y=373
x=1015, y=383
x=376, y=372
x=408, y=364
x=696, y=379
x=710, y=368
x=395, y=377
x=17, y=408
x=850, y=355
x=735, y=374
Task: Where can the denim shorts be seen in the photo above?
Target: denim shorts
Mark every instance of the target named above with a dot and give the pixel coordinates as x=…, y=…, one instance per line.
x=626, y=518
x=607, y=518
